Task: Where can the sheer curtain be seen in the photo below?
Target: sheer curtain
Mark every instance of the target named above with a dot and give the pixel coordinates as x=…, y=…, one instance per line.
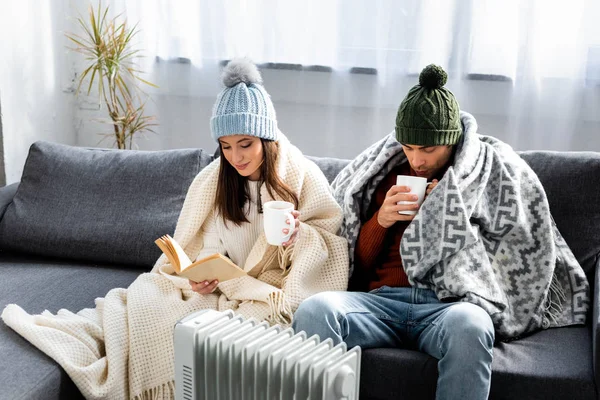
x=529, y=69
x=512, y=38
x=35, y=81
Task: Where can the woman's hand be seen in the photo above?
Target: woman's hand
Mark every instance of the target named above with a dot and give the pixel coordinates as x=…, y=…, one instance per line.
x=294, y=237
x=204, y=287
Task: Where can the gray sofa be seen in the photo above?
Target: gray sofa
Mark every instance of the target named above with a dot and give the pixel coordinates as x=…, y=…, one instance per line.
x=83, y=221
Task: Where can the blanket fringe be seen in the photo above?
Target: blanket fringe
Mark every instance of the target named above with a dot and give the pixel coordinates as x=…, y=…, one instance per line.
x=554, y=301
x=284, y=258
x=164, y=391
x=268, y=261
x=280, y=312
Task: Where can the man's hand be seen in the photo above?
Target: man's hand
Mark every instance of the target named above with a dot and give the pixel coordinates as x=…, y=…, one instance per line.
x=204, y=287
x=388, y=212
x=430, y=187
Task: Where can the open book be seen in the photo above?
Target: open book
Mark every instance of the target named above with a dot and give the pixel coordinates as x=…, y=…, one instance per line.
x=215, y=266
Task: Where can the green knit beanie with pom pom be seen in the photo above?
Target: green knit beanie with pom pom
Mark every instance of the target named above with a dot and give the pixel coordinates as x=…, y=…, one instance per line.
x=429, y=114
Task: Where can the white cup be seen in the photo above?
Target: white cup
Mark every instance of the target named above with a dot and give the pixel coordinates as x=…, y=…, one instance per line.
x=275, y=214
x=417, y=186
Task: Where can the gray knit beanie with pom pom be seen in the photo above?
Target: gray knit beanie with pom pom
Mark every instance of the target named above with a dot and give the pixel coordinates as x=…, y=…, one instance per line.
x=429, y=115
x=244, y=106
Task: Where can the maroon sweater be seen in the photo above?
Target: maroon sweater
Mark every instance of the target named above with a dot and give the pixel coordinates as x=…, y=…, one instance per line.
x=377, y=253
x=377, y=248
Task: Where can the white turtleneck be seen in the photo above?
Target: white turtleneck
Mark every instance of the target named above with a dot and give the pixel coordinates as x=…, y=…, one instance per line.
x=230, y=239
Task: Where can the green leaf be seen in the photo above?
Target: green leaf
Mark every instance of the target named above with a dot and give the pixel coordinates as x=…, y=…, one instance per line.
x=106, y=44
x=91, y=81
x=146, y=82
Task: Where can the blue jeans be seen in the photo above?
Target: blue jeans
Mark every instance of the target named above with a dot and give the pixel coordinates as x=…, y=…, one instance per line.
x=460, y=335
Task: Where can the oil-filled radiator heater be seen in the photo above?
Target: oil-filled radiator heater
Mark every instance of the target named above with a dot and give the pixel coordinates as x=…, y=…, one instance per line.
x=220, y=355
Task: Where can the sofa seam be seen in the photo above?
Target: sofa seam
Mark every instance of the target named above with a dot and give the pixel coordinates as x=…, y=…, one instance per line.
x=26, y=395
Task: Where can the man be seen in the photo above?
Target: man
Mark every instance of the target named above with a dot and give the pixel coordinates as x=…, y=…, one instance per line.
x=481, y=260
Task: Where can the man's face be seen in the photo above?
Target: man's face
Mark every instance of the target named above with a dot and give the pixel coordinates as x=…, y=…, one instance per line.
x=427, y=161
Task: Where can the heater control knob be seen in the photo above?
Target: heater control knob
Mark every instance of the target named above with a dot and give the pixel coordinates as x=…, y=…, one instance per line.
x=344, y=382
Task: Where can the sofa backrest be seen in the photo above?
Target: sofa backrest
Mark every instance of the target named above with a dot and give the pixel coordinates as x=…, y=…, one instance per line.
x=572, y=183
x=60, y=207
x=6, y=197
x=330, y=166
x=98, y=205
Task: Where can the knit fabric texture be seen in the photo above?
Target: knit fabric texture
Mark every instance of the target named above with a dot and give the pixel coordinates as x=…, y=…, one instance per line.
x=429, y=114
x=484, y=234
x=234, y=240
x=244, y=107
x=123, y=348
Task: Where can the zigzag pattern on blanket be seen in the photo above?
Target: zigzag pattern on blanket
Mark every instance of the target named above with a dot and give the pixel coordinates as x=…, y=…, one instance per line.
x=350, y=194
x=509, y=264
x=484, y=235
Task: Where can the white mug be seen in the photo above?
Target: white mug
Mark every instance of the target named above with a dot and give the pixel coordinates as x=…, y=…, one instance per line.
x=417, y=186
x=276, y=213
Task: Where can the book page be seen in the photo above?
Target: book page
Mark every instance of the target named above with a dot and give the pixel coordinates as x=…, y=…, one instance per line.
x=184, y=260
x=177, y=257
x=213, y=267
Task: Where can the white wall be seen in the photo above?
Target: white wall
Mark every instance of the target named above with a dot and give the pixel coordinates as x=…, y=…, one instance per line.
x=340, y=114
x=34, y=70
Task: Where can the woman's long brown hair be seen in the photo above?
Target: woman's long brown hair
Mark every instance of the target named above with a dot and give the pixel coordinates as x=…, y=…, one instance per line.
x=233, y=190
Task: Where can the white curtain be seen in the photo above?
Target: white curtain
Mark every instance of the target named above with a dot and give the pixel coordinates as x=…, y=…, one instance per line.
x=35, y=81
x=511, y=38
x=528, y=69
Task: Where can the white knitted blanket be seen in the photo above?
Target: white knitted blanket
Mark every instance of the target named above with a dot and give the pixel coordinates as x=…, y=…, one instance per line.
x=123, y=348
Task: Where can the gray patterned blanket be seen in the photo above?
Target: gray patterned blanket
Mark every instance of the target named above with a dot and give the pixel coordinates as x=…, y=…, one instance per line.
x=484, y=235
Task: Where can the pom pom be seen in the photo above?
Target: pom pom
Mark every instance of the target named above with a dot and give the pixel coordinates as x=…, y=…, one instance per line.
x=433, y=77
x=241, y=70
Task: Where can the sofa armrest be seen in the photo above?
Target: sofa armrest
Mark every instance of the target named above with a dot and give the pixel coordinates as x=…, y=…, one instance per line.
x=596, y=326
x=6, y=196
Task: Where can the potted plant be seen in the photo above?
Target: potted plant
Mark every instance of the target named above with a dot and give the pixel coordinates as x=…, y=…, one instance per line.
x=106, y=44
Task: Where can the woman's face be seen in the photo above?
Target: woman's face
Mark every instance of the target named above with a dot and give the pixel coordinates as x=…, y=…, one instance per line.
x=244, y=153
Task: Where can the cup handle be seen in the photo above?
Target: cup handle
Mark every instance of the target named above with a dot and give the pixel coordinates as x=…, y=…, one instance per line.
x=292, y=226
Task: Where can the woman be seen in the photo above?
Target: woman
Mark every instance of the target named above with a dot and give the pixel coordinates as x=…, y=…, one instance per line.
x=222, y=212
x=245, y=127
x=131, y=330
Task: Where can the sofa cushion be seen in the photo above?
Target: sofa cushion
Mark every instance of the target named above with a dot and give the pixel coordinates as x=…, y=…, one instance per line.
x=97, y=204
x=552, y=364
x=36, y=284
x=7, y=193
x=331, y=167
x=571, y=181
